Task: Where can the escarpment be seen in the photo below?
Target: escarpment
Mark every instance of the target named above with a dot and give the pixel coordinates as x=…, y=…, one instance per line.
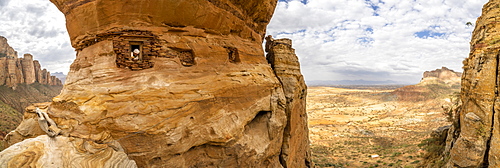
x=14, y=70
x=473, y=141
x=179, y=83
x=434, y=84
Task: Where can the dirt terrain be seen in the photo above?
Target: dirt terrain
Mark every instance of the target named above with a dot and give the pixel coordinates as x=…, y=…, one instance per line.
x=368, y=127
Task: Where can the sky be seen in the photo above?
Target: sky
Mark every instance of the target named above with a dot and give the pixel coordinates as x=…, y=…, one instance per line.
x=373, y=40
x=376, y=40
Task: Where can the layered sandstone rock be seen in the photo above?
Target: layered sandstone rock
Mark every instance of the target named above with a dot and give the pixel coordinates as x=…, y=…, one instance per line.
x=200, y=93
x=61, y=151
x=443, y=75
x=15, y=70
x=474, y=141
x=434, y=84
x=5, y=49
x=295, y=151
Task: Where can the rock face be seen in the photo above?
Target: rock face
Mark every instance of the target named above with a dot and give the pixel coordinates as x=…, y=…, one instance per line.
x=443, y=75
x=44, y=151
x=15, y=70
x=286, y=66
x=474, y=141
x=434, y=83
x=200, y=92
x=5, y=49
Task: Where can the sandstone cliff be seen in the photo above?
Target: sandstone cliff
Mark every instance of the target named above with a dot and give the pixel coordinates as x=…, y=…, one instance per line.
x=473, y=140
x=200, y=93
x=15, y=70
x=5, y=49
x=443, y=75
x=434, y=84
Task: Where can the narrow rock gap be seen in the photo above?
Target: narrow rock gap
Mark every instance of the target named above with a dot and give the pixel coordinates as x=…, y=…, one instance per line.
x=488, y=142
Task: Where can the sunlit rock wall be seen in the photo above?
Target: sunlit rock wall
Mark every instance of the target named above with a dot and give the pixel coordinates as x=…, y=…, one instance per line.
x=200, y=93
x=475, y=140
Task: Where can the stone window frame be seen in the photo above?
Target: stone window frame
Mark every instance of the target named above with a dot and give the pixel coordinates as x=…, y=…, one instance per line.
x=122, y=45
x=137, y=43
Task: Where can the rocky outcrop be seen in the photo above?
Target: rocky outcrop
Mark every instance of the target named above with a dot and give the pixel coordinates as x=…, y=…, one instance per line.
x=295, y=151
x=434, y=84
x=60, y=76
x=15, y=70
x=5, y=49
x=443, y=75
x=473, y=141
x=200, y=93
x=44, y=151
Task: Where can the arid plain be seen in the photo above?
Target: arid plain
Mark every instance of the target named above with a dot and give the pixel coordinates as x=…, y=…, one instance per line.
x=368, y=127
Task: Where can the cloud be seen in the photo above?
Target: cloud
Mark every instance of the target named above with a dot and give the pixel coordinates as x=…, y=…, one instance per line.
x=4, y=3
x=37, y=27
x=375, y=39
x=334, y=39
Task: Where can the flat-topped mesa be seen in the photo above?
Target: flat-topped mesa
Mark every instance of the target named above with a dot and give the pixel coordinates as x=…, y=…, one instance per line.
x=180, y=83
x=443, y=75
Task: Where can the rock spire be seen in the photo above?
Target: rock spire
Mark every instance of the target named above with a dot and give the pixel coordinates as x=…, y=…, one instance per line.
x=15, y=70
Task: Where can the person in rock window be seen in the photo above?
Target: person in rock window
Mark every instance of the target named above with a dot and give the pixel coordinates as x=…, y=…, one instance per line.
x=135, y=54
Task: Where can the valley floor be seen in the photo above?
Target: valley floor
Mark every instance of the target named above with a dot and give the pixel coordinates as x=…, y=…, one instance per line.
x=367, y=127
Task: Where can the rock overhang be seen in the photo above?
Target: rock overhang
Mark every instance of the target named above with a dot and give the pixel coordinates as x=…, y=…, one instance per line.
x=87, y=18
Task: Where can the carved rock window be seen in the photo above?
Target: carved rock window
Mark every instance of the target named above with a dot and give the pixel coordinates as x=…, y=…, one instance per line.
x=233, y=55
x=136, y=50
x=148, y=45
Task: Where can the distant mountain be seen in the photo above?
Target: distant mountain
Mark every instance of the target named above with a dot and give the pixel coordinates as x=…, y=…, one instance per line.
x=438, y=83
x=352, y=82
x=443, y=76
x=59, y=75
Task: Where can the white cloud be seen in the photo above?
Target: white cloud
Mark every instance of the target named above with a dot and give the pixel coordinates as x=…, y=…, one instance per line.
x=376, y=39
x=335, y=39
x=37, y=27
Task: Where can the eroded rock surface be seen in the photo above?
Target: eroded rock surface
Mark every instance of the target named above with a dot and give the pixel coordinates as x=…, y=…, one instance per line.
x=199, y=94
x=443, y=75
x=281, y=55
x=61, y=151
x=475, y=140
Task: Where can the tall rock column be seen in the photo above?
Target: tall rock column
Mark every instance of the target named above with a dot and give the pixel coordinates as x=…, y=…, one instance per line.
x=476, y=140
x=28, y=68
x=38, y=71
x=4, y=73
x=295, y=149
x=15, y=74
